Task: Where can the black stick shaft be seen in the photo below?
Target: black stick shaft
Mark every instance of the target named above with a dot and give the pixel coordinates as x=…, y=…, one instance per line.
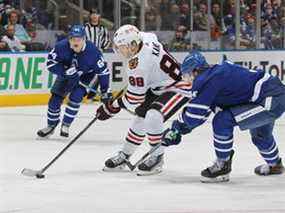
x=68, y=145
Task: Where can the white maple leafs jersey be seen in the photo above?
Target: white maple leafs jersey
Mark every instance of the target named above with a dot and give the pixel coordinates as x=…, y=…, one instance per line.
x=151, y=68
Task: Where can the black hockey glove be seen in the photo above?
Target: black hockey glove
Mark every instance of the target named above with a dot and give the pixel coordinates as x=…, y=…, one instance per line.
x=107, y=110
x=173, y=135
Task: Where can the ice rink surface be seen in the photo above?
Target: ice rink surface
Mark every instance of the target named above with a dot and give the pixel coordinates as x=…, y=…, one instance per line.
x=77, y=184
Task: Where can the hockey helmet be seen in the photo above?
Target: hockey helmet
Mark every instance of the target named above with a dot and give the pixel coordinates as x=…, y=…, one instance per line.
x=77, y=31
x=125, y=38
x=77, y=39
x=193, y=61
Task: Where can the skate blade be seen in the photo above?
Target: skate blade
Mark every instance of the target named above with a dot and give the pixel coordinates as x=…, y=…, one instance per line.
x=149, y=173
x=121, y=168
x=220, y=179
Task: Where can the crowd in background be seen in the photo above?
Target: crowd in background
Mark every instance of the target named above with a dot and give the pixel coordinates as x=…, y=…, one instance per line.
x=19, y=27
x=175, y=15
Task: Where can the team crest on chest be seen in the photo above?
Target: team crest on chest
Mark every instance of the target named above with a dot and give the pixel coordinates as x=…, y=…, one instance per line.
x=133, y=63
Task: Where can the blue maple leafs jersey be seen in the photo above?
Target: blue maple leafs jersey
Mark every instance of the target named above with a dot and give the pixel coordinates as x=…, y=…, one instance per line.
x=225, y=85
x=89, y=62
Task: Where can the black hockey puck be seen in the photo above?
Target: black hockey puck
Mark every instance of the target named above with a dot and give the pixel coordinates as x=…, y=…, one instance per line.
x=40, y=176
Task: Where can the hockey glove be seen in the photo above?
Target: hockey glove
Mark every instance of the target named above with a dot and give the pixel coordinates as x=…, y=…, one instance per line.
x=72, y=73
x=173, y=135
x=107, y=110
x=106, y=97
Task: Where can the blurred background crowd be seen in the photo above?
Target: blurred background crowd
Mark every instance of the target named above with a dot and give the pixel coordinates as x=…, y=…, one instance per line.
x=35, y=25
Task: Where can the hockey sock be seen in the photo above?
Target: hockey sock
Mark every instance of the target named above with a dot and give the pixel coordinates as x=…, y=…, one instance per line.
x=223, y=146
x=70, y=113
x=263, y=139
x=135, y=136
x=271, y=155
x=53, y=113
x=154, y=128
x=73, y=105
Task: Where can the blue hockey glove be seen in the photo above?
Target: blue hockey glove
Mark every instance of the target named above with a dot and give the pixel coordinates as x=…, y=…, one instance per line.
x=72, y=73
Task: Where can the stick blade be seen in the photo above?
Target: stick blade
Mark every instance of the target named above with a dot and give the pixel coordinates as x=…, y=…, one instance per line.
x=31, y=172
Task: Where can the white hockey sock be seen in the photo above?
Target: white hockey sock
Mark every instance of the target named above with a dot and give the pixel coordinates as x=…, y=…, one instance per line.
x=154, y=128
x=129, y=148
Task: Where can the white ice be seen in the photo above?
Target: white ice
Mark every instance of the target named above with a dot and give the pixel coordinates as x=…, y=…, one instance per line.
x=77, y=184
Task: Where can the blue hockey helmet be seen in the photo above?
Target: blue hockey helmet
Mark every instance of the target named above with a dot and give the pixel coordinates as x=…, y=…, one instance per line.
x=194, y=60
x=77, y=31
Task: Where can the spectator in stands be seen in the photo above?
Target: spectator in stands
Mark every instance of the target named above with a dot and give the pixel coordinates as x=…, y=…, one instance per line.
x=3, y=13
x=249, y=33
x=171, y=18
x=216, y=13
x=2, y=30
x=20, y=31
x=179, y=42
x=96, y=32
x=215, y=22
x=11, y=39
x=228, y=40
x=201, y=18
x=152, y=20
x=3, y=45
x=266, y=34
x=185, y=17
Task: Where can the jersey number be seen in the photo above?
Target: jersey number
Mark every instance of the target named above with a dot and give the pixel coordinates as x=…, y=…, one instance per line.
x=169, y=66
x=138, y=81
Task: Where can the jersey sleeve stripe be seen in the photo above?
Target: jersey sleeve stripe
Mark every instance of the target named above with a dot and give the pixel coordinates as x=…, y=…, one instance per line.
x=199, y=117
x=199, y=106
x=170, y=104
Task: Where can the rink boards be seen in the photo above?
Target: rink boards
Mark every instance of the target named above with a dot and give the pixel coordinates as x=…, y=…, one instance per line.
x=24, y=79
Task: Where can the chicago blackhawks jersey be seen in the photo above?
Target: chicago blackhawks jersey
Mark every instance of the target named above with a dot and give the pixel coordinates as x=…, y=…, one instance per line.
x=151, y=68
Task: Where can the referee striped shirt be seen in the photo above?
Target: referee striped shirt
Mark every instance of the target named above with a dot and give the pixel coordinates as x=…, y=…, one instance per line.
x=98, y=35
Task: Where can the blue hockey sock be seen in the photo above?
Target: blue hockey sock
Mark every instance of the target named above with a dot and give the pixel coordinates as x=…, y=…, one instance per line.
x=223, y=146
x=70, y=113
x=53, y=113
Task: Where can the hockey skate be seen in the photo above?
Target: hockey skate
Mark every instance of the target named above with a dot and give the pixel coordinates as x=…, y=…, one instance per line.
x=266, y=169
x=218, y=172
x=152, y=165
x=64, y=131
x=116, y=163
x=46, y=132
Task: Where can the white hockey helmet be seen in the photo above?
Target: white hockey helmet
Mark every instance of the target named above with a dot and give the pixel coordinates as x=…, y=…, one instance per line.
x=125, y=38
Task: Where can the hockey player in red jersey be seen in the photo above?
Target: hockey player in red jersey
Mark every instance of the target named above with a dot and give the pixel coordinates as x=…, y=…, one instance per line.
x=154, y=80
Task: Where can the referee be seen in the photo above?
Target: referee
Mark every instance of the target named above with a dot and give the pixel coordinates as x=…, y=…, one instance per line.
x=97, y=34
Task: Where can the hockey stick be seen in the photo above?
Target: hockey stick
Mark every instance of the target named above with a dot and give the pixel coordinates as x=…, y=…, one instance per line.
x=39, y=173
x=132, y=167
